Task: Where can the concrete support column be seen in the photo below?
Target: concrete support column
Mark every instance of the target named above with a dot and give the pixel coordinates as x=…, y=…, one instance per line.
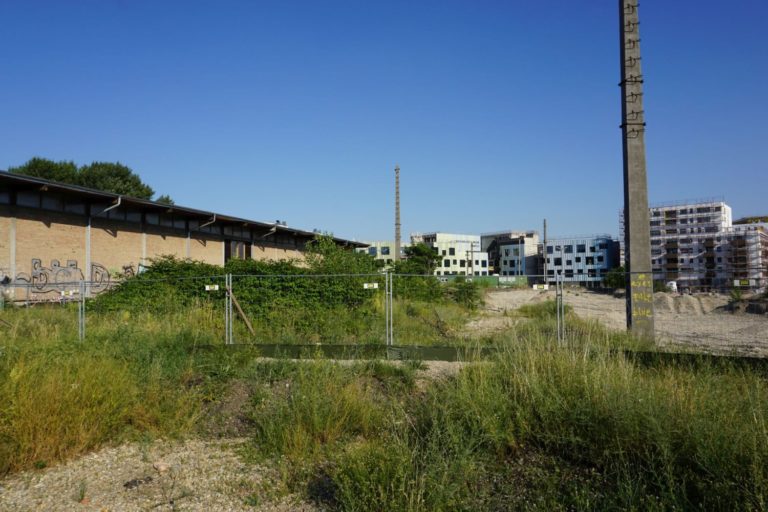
x=637, y=230
x=12, y=245
x=87, y=268
x=143, y=247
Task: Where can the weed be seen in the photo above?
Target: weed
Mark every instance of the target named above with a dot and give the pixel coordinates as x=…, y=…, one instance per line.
x=82, y=490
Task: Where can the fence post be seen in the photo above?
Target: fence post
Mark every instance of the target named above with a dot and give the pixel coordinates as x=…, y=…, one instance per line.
x=386, y=307
x=81, y=312
x=230, y=315
x=560, y=308
x=391, y=309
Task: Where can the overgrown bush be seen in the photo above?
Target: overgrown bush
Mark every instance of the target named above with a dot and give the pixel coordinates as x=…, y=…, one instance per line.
x=330, y=277
x=465, y=293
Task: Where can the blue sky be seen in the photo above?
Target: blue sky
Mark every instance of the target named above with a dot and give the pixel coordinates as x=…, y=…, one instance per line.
x=499, y=113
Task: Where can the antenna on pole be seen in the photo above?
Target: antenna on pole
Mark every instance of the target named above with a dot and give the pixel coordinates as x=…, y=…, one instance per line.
x=397, y=212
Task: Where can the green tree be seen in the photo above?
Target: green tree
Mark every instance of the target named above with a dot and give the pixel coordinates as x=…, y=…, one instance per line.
x=165, y=199
x=65, y=172
x=616, y=278
x=420, y=259
x=324, y=256
x=107, y=176
x=116, y=178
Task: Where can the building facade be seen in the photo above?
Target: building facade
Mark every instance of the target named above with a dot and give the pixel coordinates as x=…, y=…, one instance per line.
x=697, y=245
x=520, y=255
x=493, y=241
x=581, y=259
x=52, y=233
x=460, y=254
x=382, y=250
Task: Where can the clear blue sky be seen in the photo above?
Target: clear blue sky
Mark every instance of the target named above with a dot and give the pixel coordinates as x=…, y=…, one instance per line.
x=499, y=113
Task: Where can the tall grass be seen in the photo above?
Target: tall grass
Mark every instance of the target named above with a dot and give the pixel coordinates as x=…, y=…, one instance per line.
x=593, y=431
x=573, y=426
x=133, y=377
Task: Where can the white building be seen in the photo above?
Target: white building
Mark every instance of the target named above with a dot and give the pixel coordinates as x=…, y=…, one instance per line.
x=460, y=255
x=526, y=240
x=520, y=255
x=697, y=245
x=382, y=250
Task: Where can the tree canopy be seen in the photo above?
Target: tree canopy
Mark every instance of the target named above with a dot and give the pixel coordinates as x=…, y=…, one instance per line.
x=106, y=176
x=420, y=259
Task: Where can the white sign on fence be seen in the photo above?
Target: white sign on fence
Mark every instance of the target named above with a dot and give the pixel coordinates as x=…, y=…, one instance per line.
x=371, y=286
x=211, y=287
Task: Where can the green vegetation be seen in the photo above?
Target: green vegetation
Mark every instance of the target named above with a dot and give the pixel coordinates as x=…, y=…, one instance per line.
x=107, y=176
x=322, y=300
x=577, y=426
x=540, y=427
x=616, y=278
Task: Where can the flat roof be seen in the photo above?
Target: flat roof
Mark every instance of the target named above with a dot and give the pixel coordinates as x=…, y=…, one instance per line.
x=22, y=182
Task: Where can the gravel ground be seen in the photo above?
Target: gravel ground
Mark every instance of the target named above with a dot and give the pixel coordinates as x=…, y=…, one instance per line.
x=197, y=475
x=692, y=322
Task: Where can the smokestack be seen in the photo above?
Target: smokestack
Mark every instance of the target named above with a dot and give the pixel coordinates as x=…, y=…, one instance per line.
x=397, y=212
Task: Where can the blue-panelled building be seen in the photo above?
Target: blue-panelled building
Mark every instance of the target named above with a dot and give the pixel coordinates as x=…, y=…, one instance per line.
x=581, y=259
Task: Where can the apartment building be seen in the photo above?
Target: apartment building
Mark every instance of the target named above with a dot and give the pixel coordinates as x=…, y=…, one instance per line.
x=460, y=254
x=697, y=245
x=492, y=244
x=581, y=259
x=520, y=255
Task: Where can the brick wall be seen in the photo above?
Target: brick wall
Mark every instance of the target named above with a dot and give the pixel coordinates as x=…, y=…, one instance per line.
x=5, y=246
x=115, y=245
x=49, y=238
x=209, y=251
x=51, y=250
x=264, y=252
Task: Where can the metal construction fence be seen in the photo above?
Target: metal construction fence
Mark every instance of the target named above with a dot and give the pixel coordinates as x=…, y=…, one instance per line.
x=387, y=309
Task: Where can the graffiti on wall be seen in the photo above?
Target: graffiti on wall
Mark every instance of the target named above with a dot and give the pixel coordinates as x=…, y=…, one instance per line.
x=58, y=277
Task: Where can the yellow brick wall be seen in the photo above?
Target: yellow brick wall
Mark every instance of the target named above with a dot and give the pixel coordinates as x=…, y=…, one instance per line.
x=166, y=244
x=264, y=252
x=47, y=239
x=115, y=246
x=48, y=236
x=5, y=246
x=209, y=251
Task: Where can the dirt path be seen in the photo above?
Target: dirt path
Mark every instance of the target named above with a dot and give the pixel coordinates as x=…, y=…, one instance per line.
x=697, y=322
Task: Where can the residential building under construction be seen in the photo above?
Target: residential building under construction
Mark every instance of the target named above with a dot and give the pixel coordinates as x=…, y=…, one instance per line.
x=697, y=245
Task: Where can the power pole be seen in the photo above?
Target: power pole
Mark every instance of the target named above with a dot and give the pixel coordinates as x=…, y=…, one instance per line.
x=397, y=212
x=637, y=235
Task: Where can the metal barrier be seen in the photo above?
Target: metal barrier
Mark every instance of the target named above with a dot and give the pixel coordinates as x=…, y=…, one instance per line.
x=391, y=309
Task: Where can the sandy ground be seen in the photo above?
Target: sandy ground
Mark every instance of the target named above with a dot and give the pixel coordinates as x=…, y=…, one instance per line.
x=692, y=322
x=197, y=475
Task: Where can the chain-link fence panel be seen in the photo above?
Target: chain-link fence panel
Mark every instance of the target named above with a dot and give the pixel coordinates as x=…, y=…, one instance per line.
x=37, y=308
x=188, y=309
x=348, y=309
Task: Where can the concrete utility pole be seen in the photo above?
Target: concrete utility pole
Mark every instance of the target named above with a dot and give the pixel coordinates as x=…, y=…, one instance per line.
x=397, y=212
x=544, y=253
x=637, y=235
